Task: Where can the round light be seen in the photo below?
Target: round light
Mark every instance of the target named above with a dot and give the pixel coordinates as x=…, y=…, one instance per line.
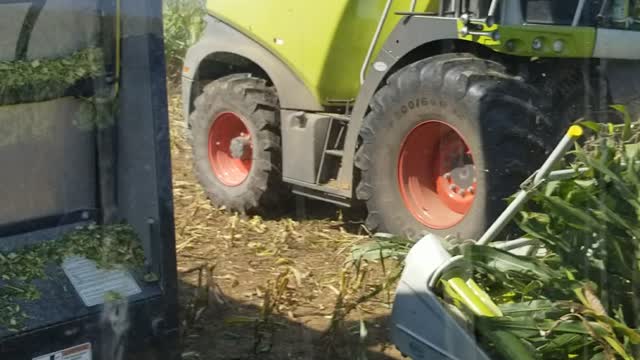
x=536, y=44
x=558, y=46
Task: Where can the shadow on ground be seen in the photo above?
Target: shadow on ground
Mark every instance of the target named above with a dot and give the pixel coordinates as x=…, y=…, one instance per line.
x=217, y=327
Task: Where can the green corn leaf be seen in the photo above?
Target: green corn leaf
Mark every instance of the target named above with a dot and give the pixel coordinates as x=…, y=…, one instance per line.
x=618, y=182
x=469, y=298
x=522, y=332
x=539, y=217
x=590, y=183
x=506, y=342
x=578, y=218
x=503, y=261
x=548, y=326
x=591, y=125
x=379, y=249
x=626, y=133
x=615, y=218
x=618, y=348
x=527, y=308
x=632, y=334
x=538, y=231
x=484, y=297
x=631, y=150
x=512, y=346
x=551, y=187
x=631, y=171
x=565, y=343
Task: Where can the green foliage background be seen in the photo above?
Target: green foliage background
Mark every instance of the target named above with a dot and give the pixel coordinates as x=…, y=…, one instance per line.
x=183, y=25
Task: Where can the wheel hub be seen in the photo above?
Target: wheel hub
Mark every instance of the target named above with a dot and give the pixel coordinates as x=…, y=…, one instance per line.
x=456, y=180
x=240, y=147
x=463, y=176
x=436, y=174
x=230, y=149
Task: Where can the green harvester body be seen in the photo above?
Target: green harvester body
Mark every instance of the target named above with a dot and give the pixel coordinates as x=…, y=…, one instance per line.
x=325, y=43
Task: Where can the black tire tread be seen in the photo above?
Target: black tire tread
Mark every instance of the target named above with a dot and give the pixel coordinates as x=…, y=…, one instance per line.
x=261, y=102
x=464, y=77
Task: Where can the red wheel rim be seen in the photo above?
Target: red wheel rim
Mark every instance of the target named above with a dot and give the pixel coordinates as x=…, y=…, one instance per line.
x=232, y=169
x=436, y=174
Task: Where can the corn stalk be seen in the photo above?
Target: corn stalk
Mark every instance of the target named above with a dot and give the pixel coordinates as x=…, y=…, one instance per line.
x=579, y=300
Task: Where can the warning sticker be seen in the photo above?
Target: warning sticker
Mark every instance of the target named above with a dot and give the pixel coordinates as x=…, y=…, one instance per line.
x=93, y=284
x=80, y=352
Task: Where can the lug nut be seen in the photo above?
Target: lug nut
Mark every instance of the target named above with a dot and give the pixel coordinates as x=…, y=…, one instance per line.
x=461, y=192
x=447, y=176
x=452, y=187
x=470, y=190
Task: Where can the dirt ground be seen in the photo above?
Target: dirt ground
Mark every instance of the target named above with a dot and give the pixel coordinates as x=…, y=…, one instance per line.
x=254, y=288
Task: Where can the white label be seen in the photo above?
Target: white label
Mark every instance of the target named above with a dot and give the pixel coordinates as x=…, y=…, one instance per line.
x=80, y=352
x=93, y=284
x=380, y=66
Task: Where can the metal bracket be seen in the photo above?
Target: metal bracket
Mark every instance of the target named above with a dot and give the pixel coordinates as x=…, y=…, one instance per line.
x=475, y=26
x=494, y=35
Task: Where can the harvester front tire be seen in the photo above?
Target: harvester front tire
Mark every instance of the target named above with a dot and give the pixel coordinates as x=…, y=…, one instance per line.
x=480, y=109
x=236, y=144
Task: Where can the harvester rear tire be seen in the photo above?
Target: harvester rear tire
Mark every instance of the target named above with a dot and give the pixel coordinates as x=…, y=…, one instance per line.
x=493, y=116
x=238, y=111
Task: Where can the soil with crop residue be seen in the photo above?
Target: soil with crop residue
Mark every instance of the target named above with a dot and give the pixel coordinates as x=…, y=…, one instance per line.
x=254, y=288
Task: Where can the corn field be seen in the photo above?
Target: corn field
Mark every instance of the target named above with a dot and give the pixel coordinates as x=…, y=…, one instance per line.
x=576, y=296
x=183, y=24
